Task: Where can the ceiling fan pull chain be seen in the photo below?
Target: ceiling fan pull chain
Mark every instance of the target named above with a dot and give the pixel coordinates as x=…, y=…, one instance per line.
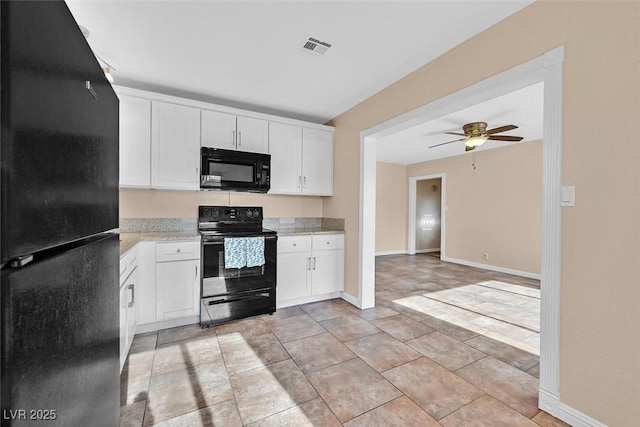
x=474, y=161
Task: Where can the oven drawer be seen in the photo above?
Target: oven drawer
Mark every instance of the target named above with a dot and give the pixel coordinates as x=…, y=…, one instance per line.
x=177, y=251
x=328, y=241
x=223, y=308
x=294, y=244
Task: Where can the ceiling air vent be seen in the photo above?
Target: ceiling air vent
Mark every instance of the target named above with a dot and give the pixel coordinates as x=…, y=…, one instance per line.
x=315, y=46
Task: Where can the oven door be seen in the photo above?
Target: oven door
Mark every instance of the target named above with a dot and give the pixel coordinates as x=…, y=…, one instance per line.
x=218, y=280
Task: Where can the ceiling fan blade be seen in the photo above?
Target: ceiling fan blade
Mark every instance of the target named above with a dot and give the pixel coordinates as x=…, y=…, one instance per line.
x=506, y=138
x=467, y=148
x=501, y=129
x=448, y=142
x=455, y=133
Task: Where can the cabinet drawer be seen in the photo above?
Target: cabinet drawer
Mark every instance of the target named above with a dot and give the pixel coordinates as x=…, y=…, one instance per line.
x=177, y=251
x=294, y=244
x=128, y=263
x=323, y=242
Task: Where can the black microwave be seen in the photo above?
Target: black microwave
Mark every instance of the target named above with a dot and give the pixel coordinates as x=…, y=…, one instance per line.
x=231, y=170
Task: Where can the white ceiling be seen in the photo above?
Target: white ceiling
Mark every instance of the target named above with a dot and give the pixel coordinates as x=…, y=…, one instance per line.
x=523, y=108
x=247, y=54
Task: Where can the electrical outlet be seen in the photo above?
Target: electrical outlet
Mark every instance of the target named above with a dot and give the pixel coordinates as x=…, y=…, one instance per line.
x=485, y=256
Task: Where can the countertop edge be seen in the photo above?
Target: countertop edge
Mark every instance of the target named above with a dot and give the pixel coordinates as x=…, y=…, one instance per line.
x=129, y=240
x=305, y=231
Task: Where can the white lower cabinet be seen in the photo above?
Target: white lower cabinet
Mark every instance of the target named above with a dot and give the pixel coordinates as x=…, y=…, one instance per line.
x=128, y=280
x=310, y=268
x=177, y=280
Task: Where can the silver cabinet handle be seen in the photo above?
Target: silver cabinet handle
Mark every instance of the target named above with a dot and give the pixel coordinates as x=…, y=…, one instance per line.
x=314, y=263
x=178, y=251
x=233, y=138
x=299, y=181
x=196, y=276
x=239, y=138
x=308, y=263
x=197, y=175
x=133, y=295
x=304, y=182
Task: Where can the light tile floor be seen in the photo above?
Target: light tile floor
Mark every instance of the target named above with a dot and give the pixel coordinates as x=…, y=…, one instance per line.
x=418, y=359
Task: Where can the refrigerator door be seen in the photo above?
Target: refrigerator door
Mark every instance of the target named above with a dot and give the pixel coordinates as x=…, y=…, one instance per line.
x=60, y=336
x=59, y=139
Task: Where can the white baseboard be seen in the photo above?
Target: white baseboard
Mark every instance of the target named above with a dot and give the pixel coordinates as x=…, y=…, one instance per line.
x=400, y=252
x=426, y=251
x=306, y=300
x=166, y=324
x=350, y=299
x=493, y=268
x=550, y=402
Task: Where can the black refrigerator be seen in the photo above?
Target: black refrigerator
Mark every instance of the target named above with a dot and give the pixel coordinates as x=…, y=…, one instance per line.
x=59, y=208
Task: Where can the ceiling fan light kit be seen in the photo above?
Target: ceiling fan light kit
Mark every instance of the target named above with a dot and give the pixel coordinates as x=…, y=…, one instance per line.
x=475, y=141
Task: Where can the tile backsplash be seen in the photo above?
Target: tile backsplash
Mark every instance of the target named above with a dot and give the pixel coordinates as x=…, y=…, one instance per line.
x=152, y=225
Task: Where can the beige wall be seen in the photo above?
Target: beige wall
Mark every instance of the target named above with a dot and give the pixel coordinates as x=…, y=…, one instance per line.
x=494, y=208
x=391, y=207
x=428, y=206
x=600, y=295
x=136, y=203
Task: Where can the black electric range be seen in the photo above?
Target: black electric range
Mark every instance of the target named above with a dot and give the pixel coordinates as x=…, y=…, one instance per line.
x=236, y=291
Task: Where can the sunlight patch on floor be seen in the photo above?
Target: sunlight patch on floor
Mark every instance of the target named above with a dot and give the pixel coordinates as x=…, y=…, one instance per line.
x=502, y=311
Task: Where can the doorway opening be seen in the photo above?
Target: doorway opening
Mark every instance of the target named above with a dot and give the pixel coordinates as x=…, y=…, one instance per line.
x=427, y=206
x=547, y=68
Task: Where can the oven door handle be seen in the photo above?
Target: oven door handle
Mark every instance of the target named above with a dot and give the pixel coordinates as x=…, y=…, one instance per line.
x=239, y=298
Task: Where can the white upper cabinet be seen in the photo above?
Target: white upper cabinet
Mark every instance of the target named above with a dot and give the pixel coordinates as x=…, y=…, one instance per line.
x=175, y=146
x=253, y=135
x=231, y=132
x=161, y=136
x=286, y=166
x=301, y=160
x=135, y=142
x=317, y=162
x=218, y=130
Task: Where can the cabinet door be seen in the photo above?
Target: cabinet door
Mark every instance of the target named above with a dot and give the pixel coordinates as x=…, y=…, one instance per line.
x=135, y=142
x=218, y=130
x=317, y=162
x=130, y=286
x=253, y=135
x=175, y=146
x=285, y=142
x=327, y=274
x=177, y=289
x=123, y=325
x=292, y=281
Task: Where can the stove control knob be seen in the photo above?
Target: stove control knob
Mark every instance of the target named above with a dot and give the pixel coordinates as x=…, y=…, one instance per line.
x=215, y=213
x=248, y=213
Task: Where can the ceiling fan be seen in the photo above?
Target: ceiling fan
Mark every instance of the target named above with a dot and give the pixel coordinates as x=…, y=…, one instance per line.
x=476, y=133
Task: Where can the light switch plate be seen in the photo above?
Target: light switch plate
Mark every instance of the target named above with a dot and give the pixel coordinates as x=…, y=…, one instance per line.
x=568, y=197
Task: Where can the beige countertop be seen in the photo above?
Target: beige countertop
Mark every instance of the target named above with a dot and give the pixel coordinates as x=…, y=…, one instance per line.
x=129, y=240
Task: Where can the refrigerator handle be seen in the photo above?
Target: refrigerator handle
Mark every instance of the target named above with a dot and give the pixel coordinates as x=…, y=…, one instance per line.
x=88, y=86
